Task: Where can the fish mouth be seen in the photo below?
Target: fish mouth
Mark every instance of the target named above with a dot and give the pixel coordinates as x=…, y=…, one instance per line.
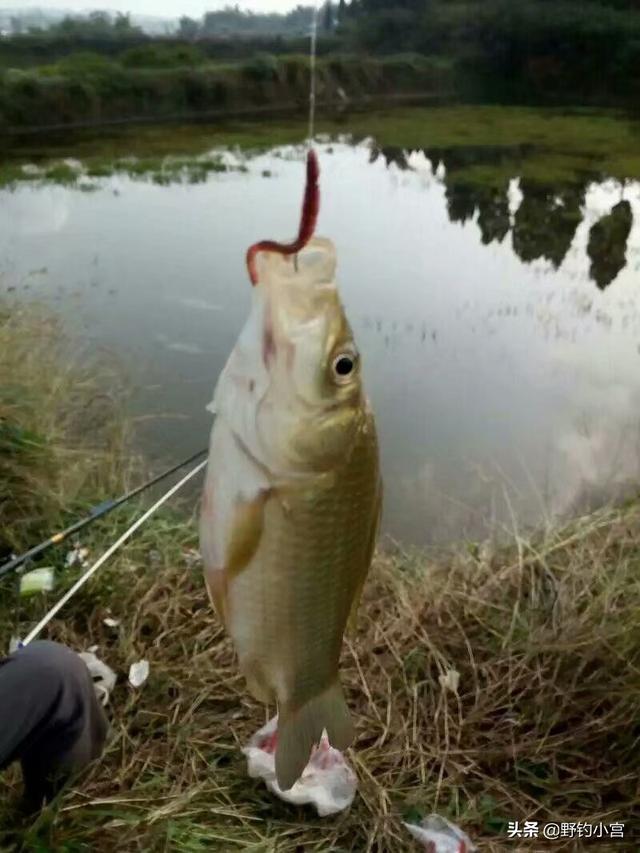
x=301, y=312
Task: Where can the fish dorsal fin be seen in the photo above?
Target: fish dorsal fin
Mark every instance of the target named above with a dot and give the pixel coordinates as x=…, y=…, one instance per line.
x=371, y=546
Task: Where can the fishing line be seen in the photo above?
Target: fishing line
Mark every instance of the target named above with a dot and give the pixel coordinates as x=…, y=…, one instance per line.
x=90, y=571
x=97, y=512
x=312, y=70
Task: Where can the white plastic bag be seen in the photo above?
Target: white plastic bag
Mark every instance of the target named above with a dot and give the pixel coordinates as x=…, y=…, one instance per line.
x=37, y=580
x=138, y=673
x=77, y=556
x=438, y=835
x=328, y=783
x=104, y=678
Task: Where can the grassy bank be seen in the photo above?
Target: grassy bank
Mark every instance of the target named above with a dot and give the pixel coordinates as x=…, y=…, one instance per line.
x=481, y=146
x=63, y=438
x=541, y=725
x=93, y=90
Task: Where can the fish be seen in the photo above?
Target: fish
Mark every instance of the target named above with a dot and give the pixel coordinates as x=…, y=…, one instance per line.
x=291, y=502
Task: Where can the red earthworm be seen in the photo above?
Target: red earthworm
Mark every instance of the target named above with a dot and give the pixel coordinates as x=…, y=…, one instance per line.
x=308, y=219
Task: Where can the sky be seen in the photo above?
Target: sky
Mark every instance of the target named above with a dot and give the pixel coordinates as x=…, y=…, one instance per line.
x=164, y=8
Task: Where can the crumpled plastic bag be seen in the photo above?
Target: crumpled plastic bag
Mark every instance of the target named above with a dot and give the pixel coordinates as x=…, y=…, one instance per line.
x=104, y=678
x=77, y=556
x=328, y=782
x=37, y=580
x=138, y=673
x=438, y=835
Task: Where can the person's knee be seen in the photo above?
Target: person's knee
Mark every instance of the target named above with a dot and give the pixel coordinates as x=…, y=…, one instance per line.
x=71, y=729
x=53, y=659
x=79, y=720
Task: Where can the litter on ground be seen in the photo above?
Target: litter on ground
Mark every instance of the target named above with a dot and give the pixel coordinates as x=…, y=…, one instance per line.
x=328, y=782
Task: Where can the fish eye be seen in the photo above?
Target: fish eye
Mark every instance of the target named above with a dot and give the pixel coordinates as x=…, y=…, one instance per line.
x=344, y=365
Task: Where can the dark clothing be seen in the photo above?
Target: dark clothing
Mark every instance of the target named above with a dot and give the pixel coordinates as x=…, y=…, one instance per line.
x=50, y=718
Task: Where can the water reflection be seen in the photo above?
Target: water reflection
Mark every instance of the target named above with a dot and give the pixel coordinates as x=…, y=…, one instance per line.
x=505, y=382
x=546, y=220
x=390, y=154
x=607, y=246
x=493, y=215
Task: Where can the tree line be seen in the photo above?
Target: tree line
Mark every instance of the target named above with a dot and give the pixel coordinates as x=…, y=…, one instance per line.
x=526, y=49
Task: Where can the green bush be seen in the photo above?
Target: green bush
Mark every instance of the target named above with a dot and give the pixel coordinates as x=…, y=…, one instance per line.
x=162, y=56
x=261, y=68
x=295, y=70
x=84, y=62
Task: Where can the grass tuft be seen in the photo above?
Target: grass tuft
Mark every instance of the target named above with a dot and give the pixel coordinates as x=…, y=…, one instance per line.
x=63, y=437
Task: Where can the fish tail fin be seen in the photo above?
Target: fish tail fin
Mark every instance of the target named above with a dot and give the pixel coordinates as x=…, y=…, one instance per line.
x=301, y=728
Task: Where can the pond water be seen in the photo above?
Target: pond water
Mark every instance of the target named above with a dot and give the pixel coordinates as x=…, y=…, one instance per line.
x=497, y=317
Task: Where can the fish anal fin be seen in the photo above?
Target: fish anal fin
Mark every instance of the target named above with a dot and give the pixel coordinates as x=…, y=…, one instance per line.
x=352, y=622
x=256, y=682
x=300, y=729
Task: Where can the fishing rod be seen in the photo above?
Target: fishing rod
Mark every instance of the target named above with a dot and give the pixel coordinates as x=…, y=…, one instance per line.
x=113, y=548
x=97, y=512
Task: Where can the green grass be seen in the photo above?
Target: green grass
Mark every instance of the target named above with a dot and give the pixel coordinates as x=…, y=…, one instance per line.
x=544, y=633
x=546, y=146
x=160, y=170
x=60, y=173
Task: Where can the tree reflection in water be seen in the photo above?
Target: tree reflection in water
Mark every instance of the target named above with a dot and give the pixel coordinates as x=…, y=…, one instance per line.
x=607, y=248
x=547, y=218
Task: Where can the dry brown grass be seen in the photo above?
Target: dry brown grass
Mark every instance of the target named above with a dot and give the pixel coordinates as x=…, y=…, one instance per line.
x=545, y=723
x=63, y=439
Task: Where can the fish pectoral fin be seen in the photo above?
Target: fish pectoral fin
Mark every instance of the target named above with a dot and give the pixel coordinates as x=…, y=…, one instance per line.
x=242, y=542
x=246, y=532
x=301, y=728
